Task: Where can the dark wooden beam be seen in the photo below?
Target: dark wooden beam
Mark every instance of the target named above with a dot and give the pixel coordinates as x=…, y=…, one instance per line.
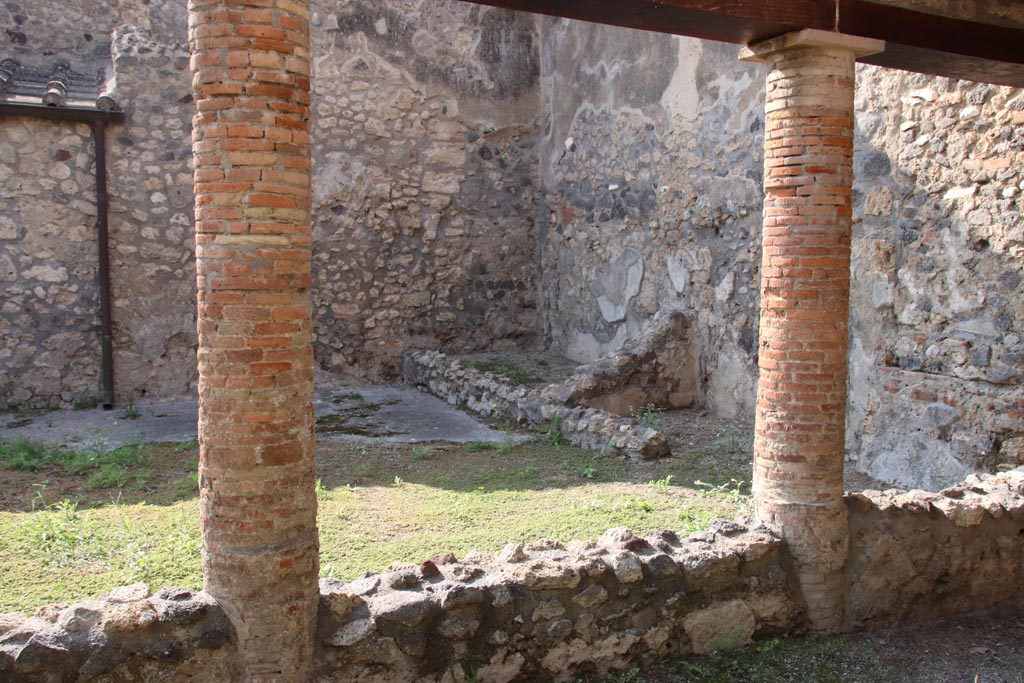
x=61, y=113
x=941, y=46
x=916, y=41
x=730, y=21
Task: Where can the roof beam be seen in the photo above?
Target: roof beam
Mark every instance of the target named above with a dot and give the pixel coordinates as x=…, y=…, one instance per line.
x=61, y=113
x=916, y=41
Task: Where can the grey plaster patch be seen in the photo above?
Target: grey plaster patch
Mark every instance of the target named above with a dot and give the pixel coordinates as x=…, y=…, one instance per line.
x=401, y=415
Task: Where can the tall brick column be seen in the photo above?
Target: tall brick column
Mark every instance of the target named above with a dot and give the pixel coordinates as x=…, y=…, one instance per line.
x=250, y=63
x=805, y=302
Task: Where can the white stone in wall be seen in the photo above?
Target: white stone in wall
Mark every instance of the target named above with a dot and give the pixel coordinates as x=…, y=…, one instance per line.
x=679, y=271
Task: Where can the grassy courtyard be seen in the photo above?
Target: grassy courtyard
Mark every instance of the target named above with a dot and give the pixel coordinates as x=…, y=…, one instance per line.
x=77, y=522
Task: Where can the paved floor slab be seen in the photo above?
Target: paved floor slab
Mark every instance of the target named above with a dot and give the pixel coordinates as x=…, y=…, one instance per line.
x=394, y=414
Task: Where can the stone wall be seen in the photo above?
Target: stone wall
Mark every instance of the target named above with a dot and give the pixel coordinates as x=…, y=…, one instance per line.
x=485, y=180
x=49, y=340
x=651, y=172
x=937, y=360
x=652, y=185
x=916, y=555
x=549, y=611
x=48, y=248
x=423, y=196
x=425, y=175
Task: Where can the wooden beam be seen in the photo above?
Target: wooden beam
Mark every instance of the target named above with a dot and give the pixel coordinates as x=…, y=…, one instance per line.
x=730, y=21
x=937, y=45
x=61, y=113
x=916, y=41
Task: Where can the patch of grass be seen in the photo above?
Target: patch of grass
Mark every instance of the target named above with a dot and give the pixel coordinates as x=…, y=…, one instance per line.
x=106, y=468
x=85, y=403
x=23, y=454
x=510, y=370
x=130, y=412
x=734, y=441
x=401, y=509
x=508, y=442
x=662, y=483
x=422, y=452
x=503, y=368
x=112, y=476
x=479, y=446
x=62, y=553
x=190, y=445
x=186, y=486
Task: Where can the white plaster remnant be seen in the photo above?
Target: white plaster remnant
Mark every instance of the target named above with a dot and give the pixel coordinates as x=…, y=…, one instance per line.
x=681, y=98
x=610, y=311
x=961, y=192
x=678, y=273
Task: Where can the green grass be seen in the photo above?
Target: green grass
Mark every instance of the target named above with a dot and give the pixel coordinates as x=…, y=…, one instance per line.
x=85, y=403
x=378, y=504
x=808, y=660
x=61, y=553
x=504, y=368
x=21, y=454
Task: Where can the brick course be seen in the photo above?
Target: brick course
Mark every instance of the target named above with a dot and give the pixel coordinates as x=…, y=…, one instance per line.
x=250, y=66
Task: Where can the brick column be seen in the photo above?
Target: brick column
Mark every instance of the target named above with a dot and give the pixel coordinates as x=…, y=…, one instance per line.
x=250, y=63
x=805, y=302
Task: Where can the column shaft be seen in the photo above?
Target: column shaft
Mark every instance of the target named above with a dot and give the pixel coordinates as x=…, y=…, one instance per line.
x=250, y=63
x=805, y=292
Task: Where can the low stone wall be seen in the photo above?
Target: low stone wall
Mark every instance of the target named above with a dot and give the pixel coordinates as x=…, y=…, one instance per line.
x=551, y=612
x=547, y=611
x=128, y=635
x=915, y=555
x=489, y=394
x=590, y=408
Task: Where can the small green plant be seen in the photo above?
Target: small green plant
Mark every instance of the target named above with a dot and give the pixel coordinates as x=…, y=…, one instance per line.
x=112, y=476
x=650, y=416
x=733, y=441
x=526, y=473
x=661, y=484
x=186, y=486
x=398, y=480
x=422, y=452
x=190, y=445
x=552, y=432
x=467, y=363
x=479, y=447
x=508, y=442
x=510, y=370
x=25, y=455
x=731, y=490
x=130, y=412
x=469, y=670
x=85, y=403
x=321, y=490
x=588, y=472
x=643, y=505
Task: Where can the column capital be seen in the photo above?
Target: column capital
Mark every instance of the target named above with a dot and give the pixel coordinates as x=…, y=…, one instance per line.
x=810, y=37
